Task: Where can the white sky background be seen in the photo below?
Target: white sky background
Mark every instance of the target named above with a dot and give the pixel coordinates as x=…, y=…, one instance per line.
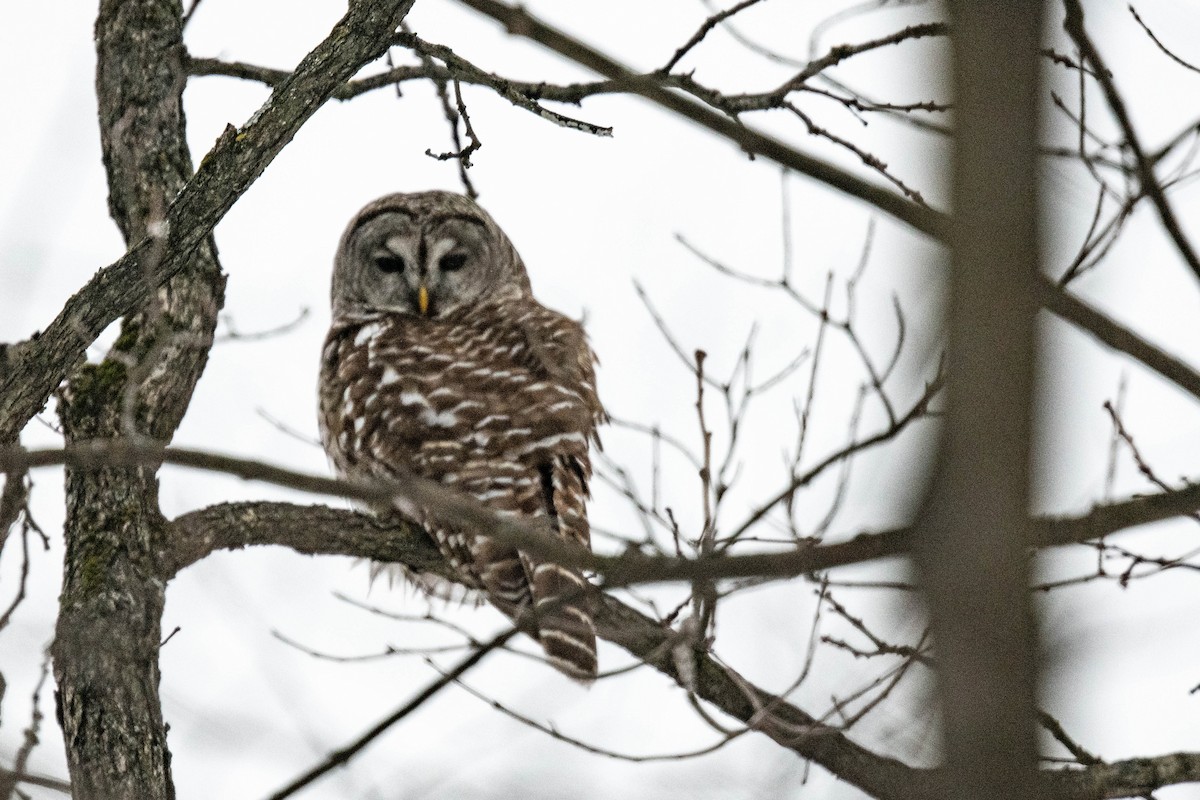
x=589, y=216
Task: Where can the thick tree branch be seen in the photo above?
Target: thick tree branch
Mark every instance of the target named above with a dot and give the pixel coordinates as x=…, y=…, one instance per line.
x=30, y=370
x=322, y=530
x=260, y=521
x=318, y=530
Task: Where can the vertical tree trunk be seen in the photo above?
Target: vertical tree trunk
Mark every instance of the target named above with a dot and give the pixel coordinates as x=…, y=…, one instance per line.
x=973, y=540
x=110, y=620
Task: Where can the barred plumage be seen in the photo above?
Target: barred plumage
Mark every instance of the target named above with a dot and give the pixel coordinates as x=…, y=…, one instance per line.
x=441, y=363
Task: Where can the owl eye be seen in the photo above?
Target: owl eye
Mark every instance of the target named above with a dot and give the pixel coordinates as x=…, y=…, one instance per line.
x=451, y=262
x=389, y=263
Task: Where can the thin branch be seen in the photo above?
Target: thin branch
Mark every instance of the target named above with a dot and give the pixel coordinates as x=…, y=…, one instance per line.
x=917, y=411
x=837, y=55
x=234, y=525
x=554, y=733
x=709, y=24
x=1116, y=336
x=344, y=754
x=1159, y=44
x=1145, y=167
x=459, y=66
x=22, y=580
x=10, y=778
x=232, y=334
x=1055, y=729
x=1143, y=466
x=13, y=501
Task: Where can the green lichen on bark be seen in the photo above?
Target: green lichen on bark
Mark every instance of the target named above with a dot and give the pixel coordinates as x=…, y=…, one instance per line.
x=93, y=390
x=109, y=626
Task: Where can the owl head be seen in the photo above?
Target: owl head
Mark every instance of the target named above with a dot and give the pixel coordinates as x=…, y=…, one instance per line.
x=425, y=254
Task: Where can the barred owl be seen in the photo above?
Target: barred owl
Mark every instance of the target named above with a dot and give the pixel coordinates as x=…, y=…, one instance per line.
x=440, y=363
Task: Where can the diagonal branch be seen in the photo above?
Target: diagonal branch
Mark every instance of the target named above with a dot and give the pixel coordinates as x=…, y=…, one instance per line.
x=460, y=68
x=1111, y=333
x=341, y=756
x=1145, y=165
x=349, y=533
x=30, y=370
x=929, y=221
x=519, y=22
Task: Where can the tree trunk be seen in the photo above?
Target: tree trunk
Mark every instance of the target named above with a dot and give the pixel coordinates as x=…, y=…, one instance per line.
x=109, y=626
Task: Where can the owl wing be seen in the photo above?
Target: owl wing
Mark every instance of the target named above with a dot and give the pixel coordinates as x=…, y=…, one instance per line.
x=559, y=408
x=500, y=407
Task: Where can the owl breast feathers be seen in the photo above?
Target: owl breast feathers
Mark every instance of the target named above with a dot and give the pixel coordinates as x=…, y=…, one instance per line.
x=440, y=363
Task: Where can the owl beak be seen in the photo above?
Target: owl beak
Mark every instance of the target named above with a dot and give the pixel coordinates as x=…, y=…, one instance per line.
x=423, y=299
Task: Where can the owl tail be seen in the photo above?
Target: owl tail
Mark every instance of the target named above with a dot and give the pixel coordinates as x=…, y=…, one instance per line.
x=563, y=619
x=548, y=602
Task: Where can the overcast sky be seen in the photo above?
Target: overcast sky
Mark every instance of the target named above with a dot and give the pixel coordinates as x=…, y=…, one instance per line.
x=591, y=216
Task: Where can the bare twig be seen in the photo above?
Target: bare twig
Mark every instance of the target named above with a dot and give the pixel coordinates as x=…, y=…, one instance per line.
x=22, y=579
x=344, y=754
x=1055, y=729
x=555, y=733
x=13, y=501
x=1142, y=465
x=709, y=24
x=1145, y=167
x=10, y=779
x=704, y=597
x=1160, y=45
x=232, y=334
x=460, y=66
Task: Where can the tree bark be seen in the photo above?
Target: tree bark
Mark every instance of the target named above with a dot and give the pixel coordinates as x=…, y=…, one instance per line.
x=109, y=625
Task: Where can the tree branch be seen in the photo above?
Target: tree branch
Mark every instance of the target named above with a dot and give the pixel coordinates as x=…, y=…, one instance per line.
x=348, y=533
x=521, y=23
x=1073, y=24
x=654, y=87
x=30, y=370
x=1110, y=332
x=343, y=755
x=243, y=524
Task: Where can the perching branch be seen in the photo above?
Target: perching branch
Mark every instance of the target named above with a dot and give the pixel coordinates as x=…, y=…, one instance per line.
x=243, y=524
x=234, y=525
